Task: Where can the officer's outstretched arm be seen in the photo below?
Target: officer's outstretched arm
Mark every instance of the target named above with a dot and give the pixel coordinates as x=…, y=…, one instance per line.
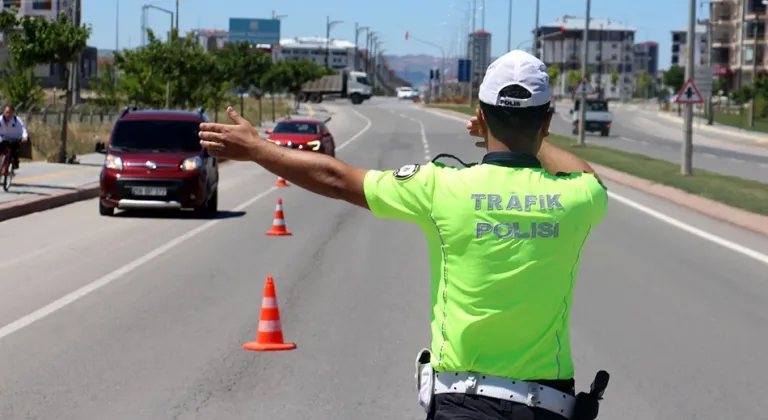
x=318, y=173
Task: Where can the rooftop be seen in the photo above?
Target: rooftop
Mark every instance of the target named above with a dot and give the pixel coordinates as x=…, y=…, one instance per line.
x=577, y=22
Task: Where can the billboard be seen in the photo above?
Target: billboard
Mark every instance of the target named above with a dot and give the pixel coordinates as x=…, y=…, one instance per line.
x=255, y=31
x=465, y=67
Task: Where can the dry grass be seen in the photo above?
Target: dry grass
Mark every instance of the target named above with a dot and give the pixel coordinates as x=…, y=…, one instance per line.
x=82, y=137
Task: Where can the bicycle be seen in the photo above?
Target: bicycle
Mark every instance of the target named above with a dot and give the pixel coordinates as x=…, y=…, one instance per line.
x=6, y=164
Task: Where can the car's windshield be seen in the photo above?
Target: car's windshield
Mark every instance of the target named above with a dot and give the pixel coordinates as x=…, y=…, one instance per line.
x=296, y=128
x=156, y=135
x=363, y=80
x=594, y=105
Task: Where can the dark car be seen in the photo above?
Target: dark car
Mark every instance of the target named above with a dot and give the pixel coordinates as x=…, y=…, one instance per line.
x=310, y=135
x=154, y=161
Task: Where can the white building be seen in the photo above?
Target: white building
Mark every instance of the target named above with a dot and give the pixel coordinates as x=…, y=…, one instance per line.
x=680, y=45
x=610, y=50
x=341, y=52
x=44, y=8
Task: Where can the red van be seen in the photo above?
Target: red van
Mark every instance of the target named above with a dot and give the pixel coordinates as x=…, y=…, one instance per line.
x=154, y=161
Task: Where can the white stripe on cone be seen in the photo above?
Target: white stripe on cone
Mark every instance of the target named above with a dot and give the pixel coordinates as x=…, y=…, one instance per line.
x=278, y=222
x=269, y=326
x=268, y=302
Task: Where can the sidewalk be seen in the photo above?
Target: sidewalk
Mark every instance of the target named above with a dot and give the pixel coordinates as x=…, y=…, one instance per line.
x=41, y=186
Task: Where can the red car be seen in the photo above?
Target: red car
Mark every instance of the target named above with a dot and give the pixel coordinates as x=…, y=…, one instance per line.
x=310, y=135
x=154, y=161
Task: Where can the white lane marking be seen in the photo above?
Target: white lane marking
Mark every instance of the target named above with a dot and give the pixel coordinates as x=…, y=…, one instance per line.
x=424, y=141
x=78, y=294
x=733, y=246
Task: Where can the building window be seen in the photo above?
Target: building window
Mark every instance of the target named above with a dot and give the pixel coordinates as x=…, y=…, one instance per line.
x=614, y=46
x=41, y=4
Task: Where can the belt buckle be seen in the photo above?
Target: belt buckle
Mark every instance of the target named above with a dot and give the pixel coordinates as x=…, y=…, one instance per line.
x=533, y=394
x=471, y=385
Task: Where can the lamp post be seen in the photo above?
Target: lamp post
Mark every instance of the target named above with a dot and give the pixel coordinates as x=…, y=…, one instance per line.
x=145, y=9
x=442, y=53
x=329, y=24
x=358, y=30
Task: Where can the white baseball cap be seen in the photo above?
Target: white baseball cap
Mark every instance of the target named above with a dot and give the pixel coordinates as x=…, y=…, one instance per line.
x=516, y=67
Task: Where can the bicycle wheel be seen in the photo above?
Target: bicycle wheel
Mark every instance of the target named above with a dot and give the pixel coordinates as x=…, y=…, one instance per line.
x=8, y=176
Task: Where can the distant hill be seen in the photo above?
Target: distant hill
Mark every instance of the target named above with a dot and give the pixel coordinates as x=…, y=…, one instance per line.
x=415, y=68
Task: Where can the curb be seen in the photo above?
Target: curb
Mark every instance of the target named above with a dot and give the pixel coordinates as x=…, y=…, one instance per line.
x=752, y=222
x=18, y=208
x=747, y=220
x=755, y=138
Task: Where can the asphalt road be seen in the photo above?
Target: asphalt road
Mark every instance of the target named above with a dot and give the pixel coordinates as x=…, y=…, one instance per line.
x=143, y=317
x=642, y=131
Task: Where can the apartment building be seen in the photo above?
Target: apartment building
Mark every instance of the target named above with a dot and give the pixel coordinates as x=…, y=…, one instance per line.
x=479, y=52
x=647, y=58
x=610, y=49
x=50, y=75
x=341, y=53
x=737, y=29
x=680, y=45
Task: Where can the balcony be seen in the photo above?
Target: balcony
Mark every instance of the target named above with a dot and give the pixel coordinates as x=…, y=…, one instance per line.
x=721, y=56
x=723, y=11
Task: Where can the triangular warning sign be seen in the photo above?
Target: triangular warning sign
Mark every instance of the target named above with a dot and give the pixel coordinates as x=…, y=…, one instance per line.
x=689, y=94
x=584, y=87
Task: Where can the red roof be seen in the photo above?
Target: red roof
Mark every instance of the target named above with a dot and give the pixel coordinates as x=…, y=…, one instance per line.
x=649, y=43
x=481, y=32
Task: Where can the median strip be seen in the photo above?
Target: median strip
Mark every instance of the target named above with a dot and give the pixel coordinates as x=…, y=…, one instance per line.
x=748, y=195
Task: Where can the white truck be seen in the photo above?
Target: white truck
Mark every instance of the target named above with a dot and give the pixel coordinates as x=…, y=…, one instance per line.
x=598, y=117
x=353, y=85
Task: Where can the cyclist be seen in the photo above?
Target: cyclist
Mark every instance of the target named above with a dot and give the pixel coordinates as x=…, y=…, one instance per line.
x=505, y=238
x=13, y=131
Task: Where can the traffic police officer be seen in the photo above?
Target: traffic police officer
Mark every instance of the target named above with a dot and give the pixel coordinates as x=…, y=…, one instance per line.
x=505, y=237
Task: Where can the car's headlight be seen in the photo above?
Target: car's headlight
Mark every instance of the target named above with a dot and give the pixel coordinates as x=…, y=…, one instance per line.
x=191, y=164
x=113, y=162
x=314, y=145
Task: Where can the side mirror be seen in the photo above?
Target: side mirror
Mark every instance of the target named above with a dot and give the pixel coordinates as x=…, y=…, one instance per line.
x=100, y=148
x=268, y=131
x=327, y=134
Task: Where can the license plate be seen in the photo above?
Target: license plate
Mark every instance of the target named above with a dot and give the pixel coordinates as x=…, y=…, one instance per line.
x=149, y=191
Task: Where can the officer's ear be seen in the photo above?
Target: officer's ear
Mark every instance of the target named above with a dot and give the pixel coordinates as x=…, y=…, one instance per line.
x=544, y=130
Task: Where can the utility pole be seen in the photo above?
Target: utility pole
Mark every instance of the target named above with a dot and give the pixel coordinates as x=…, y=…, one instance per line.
x=177, y=17
x=76, y=20
x=584, y=58
x=327, y=40
x=117, y=40
x=690, y=71
x=509, y=28
x=535, y=48
x=472, y=50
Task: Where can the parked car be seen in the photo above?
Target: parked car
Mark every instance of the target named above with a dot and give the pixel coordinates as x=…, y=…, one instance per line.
x=309, y=135
x=154, y=161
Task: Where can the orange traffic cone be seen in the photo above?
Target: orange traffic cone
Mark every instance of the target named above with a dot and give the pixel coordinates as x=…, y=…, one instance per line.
x=270, y=334
x=278, y=224
x=281, y=182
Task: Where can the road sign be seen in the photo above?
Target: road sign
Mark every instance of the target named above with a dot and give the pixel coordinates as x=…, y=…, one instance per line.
x=703, y=80
x=689, y=94
x=584, y=87
x=255, y=31
x=464, y=69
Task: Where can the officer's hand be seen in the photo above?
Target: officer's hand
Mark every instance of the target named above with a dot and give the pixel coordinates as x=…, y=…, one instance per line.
x=233, y=142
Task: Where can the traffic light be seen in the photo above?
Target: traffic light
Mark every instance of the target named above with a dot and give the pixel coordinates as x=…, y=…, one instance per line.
x=431, y=74
x=437, y=74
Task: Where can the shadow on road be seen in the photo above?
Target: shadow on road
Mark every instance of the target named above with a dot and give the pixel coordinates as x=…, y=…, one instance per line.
x=175, y=214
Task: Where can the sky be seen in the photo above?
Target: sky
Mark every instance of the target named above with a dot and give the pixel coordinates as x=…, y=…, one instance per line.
x=438, y=22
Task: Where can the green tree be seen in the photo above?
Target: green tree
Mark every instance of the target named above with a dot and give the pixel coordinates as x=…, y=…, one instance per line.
x=615, y=78
x=573, y=78
x=643, y=81
x=554, y=73
x=106, y=86
x=248, y=65
x=217, y=73
x=145, y=71
x=47, y=41
x=19, y=85
x=291, y=75
x=674, y=77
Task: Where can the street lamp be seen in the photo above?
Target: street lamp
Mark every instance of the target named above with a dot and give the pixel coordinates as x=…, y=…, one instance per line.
x=442, y=53
x=144, y=11
x=358, y=31
x=329, y=24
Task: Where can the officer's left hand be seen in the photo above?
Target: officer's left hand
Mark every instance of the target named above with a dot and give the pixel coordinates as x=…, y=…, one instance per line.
x=234, y=142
